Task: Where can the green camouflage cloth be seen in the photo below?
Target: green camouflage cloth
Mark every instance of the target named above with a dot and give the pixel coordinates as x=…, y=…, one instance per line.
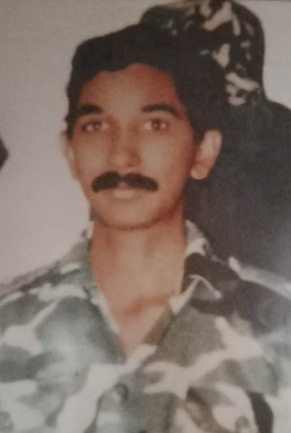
x=218, y=361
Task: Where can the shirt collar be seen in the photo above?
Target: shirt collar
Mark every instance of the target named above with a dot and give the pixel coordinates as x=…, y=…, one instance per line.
x=77, y=260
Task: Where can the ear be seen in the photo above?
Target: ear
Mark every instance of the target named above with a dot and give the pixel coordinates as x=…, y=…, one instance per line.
x=206, y=154
x=68, y=152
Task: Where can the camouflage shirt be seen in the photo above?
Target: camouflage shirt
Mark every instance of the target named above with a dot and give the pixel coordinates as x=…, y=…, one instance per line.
x=218, y=360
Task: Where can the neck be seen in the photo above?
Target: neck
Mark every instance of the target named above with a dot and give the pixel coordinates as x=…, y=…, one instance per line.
x=147, y=261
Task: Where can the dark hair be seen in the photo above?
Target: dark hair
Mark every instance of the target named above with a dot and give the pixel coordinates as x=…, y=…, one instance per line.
x=198, y=80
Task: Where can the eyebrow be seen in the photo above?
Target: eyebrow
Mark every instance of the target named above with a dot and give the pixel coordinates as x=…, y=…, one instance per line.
x=87, y=109
x=95, y=109
x=161, y=107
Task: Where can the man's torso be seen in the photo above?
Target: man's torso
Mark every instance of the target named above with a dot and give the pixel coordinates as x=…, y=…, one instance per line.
x=216, y=361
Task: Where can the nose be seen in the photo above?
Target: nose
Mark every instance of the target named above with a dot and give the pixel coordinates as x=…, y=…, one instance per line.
x=124, y=152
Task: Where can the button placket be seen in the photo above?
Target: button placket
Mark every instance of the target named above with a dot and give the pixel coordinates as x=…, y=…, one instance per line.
x=111, y=404
x=120, y=392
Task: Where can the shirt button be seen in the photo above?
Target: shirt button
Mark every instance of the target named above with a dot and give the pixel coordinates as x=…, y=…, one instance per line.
x=5, y=422
x=243, y=425
x=120, y=392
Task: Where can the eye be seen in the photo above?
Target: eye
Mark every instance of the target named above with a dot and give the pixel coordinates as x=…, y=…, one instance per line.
x=155, y=125
x=95, y=126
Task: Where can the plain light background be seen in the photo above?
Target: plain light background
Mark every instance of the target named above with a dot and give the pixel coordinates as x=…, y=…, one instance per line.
x=42, y=209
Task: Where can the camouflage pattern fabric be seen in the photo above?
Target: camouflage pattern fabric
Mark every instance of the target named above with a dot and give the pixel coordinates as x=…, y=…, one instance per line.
x=218, y=360
x=227, y=32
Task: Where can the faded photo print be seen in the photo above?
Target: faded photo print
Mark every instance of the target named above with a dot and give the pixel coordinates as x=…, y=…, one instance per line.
x=145, y=219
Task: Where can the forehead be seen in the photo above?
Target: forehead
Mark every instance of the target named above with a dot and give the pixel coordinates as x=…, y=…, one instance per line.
x=139, y=83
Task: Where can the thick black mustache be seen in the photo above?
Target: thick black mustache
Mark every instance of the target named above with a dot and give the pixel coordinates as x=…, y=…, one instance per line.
x=112, y=179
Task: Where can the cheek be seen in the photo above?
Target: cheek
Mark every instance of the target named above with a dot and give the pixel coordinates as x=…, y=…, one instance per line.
x=179, y=170
x=87, y=161
x=176, y=157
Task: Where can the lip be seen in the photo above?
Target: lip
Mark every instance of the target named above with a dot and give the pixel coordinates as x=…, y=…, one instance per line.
x=125, y=192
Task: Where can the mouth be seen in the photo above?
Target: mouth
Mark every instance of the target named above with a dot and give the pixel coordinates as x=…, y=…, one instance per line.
x=125, y=192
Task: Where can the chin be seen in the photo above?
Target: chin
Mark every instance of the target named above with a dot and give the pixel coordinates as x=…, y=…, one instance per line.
x=138, y=220
x=127, y=224
x=136, y=215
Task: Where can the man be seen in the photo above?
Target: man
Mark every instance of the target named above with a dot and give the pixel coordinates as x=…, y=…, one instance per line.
x=140, y=328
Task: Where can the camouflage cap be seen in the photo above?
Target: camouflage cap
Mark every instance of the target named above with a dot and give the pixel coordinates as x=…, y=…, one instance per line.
x=225, y=31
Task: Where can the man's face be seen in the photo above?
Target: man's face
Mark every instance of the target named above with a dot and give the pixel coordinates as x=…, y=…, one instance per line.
x=132, y=121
